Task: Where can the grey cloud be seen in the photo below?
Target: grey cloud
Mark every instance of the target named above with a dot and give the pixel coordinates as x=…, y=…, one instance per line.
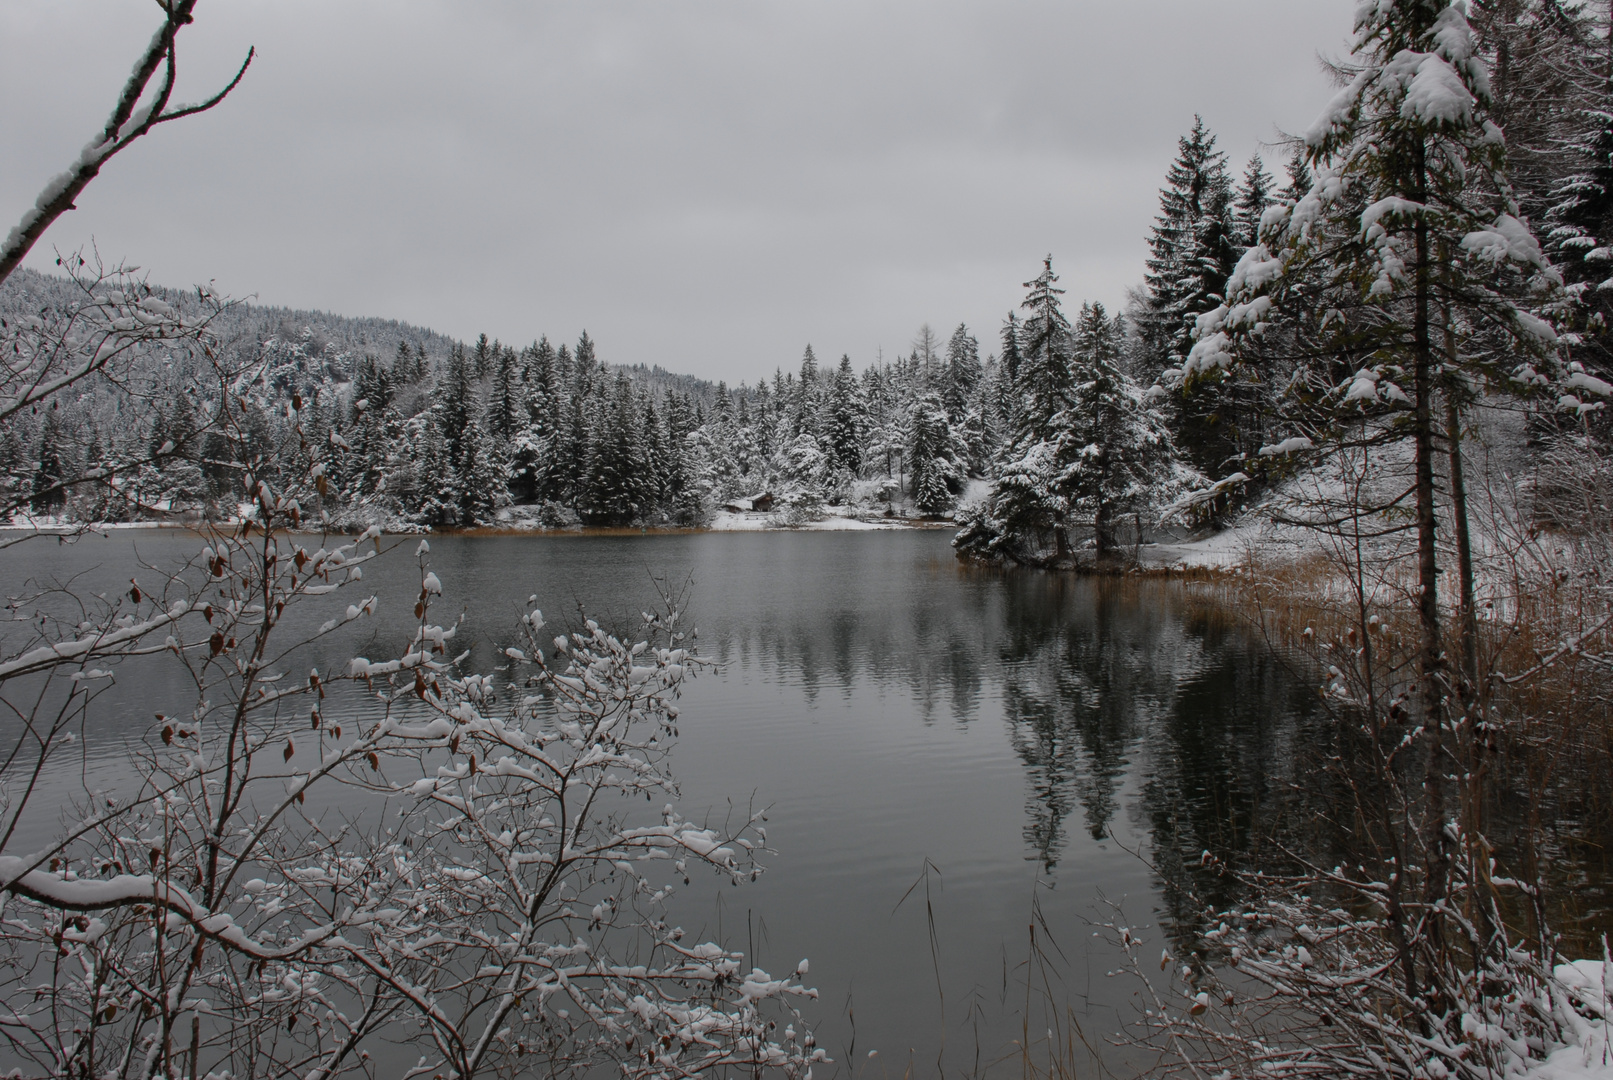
x=708, y=185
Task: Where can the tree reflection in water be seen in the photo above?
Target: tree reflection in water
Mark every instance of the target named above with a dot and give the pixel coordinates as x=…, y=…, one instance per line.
x=1115, y=682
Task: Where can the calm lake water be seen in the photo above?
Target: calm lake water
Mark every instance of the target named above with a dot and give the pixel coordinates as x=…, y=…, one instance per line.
x=1016, y=743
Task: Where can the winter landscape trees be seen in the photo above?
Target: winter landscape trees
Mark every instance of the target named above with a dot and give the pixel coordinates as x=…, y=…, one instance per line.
x=1341, y=350
x=251, y=895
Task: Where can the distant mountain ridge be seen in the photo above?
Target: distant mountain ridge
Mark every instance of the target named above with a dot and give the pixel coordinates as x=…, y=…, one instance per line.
x=343, y=340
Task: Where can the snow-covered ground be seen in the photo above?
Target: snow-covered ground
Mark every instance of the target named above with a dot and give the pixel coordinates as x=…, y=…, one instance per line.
x=1587, y=1055
x=1256, y=538
x=727, y=521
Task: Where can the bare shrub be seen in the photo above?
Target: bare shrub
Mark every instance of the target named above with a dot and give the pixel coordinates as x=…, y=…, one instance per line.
x=396, y=864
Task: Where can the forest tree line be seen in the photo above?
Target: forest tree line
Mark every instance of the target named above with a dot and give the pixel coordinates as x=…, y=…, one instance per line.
x=1075, y=425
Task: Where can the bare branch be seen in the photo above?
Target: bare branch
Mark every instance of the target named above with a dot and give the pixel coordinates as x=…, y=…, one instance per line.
x=128, y=122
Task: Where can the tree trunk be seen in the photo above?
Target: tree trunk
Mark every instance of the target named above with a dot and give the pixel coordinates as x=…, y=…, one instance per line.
x=1436, y=887
x=1467, y=617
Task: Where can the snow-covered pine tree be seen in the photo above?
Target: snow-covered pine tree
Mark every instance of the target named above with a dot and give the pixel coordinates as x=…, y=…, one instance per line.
x=1411, y=230
x=580, y=418
x=403, y=364
x=746, y=451
x=927, y=360
x=982, y=421
x=506, y=408
x=845, y=418
x=367, y=431
x=764, y=422
x=50, y=469
x=1549, y=74
x=614, y=488
x=937, y=473
x=1407, y=270
x=482, y=477
x=484, y=357
x=1008, y=374
x=1025, y=509
x=433, y=499
x=684, y=500
x=456, y=403
x=1191, y=248
x=962, y=374
x=656, y=483
x=1579, y=220
x=1249, y=201
x=804, y=402
x=804, y=472
x=1114, y=451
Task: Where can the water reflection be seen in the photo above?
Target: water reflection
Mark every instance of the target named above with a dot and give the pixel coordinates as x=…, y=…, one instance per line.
x=895, y=707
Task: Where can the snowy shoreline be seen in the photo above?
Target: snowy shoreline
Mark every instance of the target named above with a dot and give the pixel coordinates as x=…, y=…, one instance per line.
x=721, y=523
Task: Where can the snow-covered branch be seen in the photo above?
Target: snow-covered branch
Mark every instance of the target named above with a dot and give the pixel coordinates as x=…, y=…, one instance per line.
x=130, y=119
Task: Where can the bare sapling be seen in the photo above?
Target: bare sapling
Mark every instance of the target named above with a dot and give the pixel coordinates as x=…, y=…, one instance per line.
x=390, y=867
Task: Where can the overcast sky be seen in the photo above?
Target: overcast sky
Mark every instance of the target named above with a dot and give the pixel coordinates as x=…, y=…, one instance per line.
x=704, y=184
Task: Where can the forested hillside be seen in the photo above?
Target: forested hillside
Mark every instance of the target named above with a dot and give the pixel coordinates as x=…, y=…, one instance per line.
x=1188, y=404
x=1439, y=245
x=409, y=428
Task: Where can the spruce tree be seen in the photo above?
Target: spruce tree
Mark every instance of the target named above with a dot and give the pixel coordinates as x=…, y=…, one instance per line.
x=1191, y=248
x=434, y=499
x=613, y=491
x=804, y=401
x=456, y=403
x=845, y=420
x=1113, y=451
x=480, y=479
x=506, y=409
x=50, y=470
x=1008, y=374
x=1404, y=270
x=1044, y=367
x=937, y=473
x=483, y=358
x=1580, y=232
x=403, y=367
x=962, y=374
x=535, y=475
x=579, y=418
x=1249, y=202
x=656, y=483
x=1025, y=507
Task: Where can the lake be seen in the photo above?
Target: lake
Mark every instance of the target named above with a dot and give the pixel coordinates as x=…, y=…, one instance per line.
x=1023, y=747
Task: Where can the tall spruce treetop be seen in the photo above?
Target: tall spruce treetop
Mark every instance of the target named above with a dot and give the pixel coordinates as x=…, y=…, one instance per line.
x=1406, y=270
x=1044, y=366
x=1580, y=233
x=1113, y=450
x=963, y=373
x=484, y=356
x=1409, y=209
x=538, y=363
x=846, y=419
x=1249, y=202
x=403, y=364
x=1026, y=507
x=456, y=401
x=1191, y=248
x=506, y=411
x=584, y=364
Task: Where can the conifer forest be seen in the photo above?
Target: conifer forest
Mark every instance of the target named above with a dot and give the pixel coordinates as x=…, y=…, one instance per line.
x=1217, y=683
